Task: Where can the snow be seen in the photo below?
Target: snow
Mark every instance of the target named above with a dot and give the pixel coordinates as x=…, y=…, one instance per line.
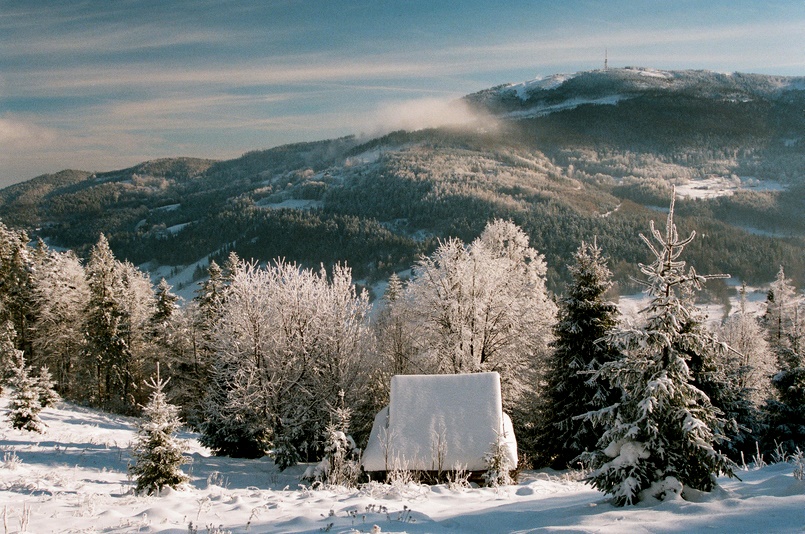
x=630, y=305
x=654, y=73
x=293, y=203
x=438, y=422
x=169, y=207
x=572, y=103
x=524, y=89
x=368, y=156
x=73, y=479
x=176, y=228
x=719, y=186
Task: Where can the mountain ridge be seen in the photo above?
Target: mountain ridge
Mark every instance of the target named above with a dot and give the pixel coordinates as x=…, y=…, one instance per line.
x=583, y=169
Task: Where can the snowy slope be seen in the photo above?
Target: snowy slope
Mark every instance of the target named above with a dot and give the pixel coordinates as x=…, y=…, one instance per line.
x=73, y=479
x=545, y=95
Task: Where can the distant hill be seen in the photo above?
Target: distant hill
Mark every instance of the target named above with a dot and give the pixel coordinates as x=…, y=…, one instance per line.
x=587, y=156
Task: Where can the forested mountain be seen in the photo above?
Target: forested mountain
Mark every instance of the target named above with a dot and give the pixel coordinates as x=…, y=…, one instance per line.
x=567, y=158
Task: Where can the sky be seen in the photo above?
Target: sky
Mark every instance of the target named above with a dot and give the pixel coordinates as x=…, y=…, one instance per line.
x=97, y=85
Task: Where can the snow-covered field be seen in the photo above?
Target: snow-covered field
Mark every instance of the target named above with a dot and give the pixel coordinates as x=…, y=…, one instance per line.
x=719, y=186
x=73, y=478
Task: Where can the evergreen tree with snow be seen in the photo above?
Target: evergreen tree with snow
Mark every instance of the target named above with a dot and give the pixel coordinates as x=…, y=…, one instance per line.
x=572, y=389
x=782, y=315
x=784, y=412
x=61, y=298
x=157, y=451
x=498, y=466
x=340, y=466
x=231, y=424
x=203, y=313
x=46, y=388
x=16, y=286
x=7, y=351
x=166, y=302
x=752, y=361
x=713, y=373
x=662, y=436
x=118, y=319
x=25, y=406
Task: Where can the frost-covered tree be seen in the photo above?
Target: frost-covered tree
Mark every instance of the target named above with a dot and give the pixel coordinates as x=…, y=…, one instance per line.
x=751, y=360
x=61, y=297
x=119, y=313
x=287, y=341
x=166, y=302
x=396, y=346
x=662, y=435
x=498, y=466
x=7, y=351
x=572, y=389
x=782, y=315
x=340, y=465
x=16, y=286
x=25, y=405
x=157, y=451
x=749, y=365
x=48, y=397
x=236, y=412
x=785, y=410
x=483, y=307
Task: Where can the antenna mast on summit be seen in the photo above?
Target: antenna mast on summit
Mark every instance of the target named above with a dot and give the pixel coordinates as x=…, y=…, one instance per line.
x=605, y=59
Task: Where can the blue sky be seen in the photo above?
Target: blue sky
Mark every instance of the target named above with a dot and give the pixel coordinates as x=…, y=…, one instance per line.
x=98, y=85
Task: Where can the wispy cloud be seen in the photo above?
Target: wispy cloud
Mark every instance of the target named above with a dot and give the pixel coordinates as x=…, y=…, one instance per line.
x=123, y=81
x=422, y=113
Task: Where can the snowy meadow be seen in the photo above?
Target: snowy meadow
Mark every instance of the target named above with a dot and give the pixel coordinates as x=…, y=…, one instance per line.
x=73, y=478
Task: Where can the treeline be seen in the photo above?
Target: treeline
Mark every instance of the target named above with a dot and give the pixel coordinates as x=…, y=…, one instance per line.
x=377, y=205
x=269, y=358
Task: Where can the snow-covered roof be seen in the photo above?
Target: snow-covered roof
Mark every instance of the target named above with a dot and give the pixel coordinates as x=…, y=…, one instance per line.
x=439, y=423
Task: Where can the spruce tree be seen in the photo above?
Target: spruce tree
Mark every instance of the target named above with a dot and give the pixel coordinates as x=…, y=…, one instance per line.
x=585, y=318
x=157, y=451
x=230, y=424
x=661, y=437
x=25, y=406
x=782, y=315
x=166, y=302
x=16, y=286
x=785, y=411
x=46, y=389
x=202, y=314
x=340, y=466
x=106, y=327
x=7, y=351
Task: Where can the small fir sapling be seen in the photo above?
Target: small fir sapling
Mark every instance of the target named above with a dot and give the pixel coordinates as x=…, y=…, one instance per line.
x=284, y=453
x=25, y=405
x=157, y=451
x=340, y=466
x=47, y=392
x=498, y=470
